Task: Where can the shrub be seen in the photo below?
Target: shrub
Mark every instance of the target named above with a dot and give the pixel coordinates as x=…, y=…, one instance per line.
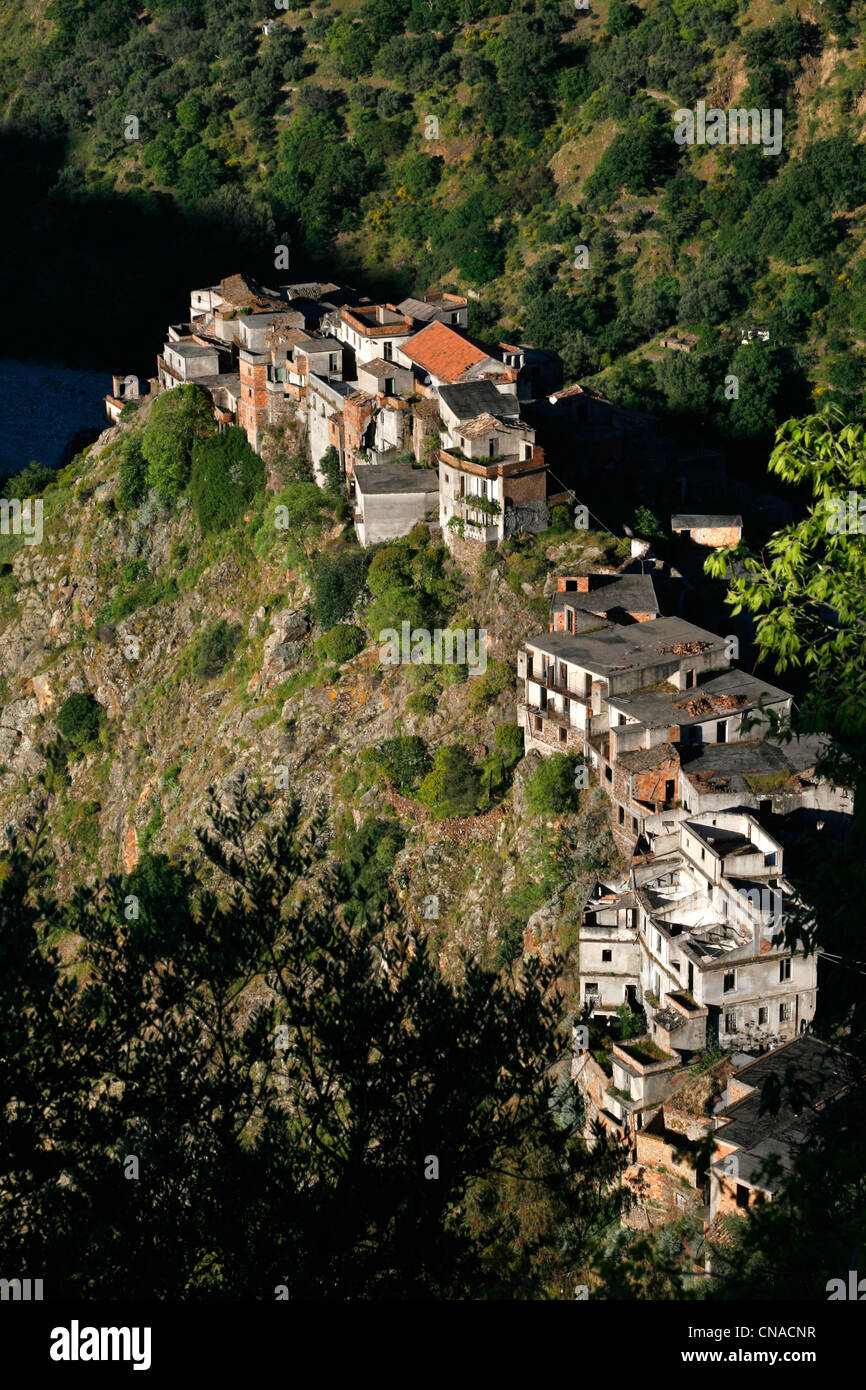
x=177, y=420
x=338, y=579
x=300, y=507
x=551, y=786
x=133, y=476
x=332, y=470
x=79, y=721
x=489, y=686
x=368, y=855
x=454, y=673
x=388, y=568
x=422, y=702
x=30, y=482
x=343, y=642
x=226, y=475
x=404, y=761
x=648, y=526
x=453, y=787
x=509, y=740
x=214, y=647
x=394, y=607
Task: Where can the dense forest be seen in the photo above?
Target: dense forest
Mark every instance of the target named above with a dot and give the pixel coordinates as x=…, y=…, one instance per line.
x=467, y=143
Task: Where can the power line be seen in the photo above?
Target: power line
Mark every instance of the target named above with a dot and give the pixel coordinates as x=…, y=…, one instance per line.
x=572, y=493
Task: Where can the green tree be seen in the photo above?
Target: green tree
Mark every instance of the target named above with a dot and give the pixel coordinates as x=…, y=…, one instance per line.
x=308, y=1068
x=133, y=475
x=192, y=113
x=404, y=761
x=551, y=786
x=338, y=581
x=214, y=648
x=178, y=418
x=453, y=786
x=226, y=475
x=647, y=525
x=79, y=721
x=335, y=478
x=343, y=642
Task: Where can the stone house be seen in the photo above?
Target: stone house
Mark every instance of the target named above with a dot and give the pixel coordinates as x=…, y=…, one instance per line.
x=710, y=910
x=539, y=371
x=704, y=528
x=391, y=498
x=451, y=309
x=440, y=356
x=814, y=1076
x=492, y=475
x=770, y=778
x=568, y=679
x=372, y=331
x=702, y=909
x=326, y=406
x=384, y=378
x=618, y=597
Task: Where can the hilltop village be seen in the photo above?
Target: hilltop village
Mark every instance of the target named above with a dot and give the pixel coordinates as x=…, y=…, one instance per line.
x=429, y=427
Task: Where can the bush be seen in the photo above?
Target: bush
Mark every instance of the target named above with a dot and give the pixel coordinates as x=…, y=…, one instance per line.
x=338, y=579
x=509, y=740
x=331, y=467
x=394, y=607
x=368, y=856
x=133, y=476
x=489, y=686
x=226, y=475
x=404, y=761
x=30, y=482
x=453, y=787
x=79, y=721
x=300, y=507
x=551, y=786
x=214, y=648
x=343, y=642
x=422, y=702
x=647, y=525
x=177, y=420
x=389, y=567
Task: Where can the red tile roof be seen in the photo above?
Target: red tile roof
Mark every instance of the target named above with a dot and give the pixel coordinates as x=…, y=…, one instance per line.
x=442, y=352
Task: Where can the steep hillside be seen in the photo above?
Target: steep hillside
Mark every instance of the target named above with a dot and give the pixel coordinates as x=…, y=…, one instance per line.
x=471, y=143
x=116, y=607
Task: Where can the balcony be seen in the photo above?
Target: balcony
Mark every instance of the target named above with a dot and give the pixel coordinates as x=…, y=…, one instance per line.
x=476, y=524
x=162, y=366
x=553, y=717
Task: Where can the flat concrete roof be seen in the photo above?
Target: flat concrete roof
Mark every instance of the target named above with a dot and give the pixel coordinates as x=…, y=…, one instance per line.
x=613, y=648
x=727, y=767
x=374, y=479
x=730, y=692
x=693, y=521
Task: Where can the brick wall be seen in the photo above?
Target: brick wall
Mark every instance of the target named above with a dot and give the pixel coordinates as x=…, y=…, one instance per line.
x=660, y=1196
x=526, y=487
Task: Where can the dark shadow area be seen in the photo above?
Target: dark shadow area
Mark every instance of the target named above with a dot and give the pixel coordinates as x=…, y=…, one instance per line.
x=91, y=277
